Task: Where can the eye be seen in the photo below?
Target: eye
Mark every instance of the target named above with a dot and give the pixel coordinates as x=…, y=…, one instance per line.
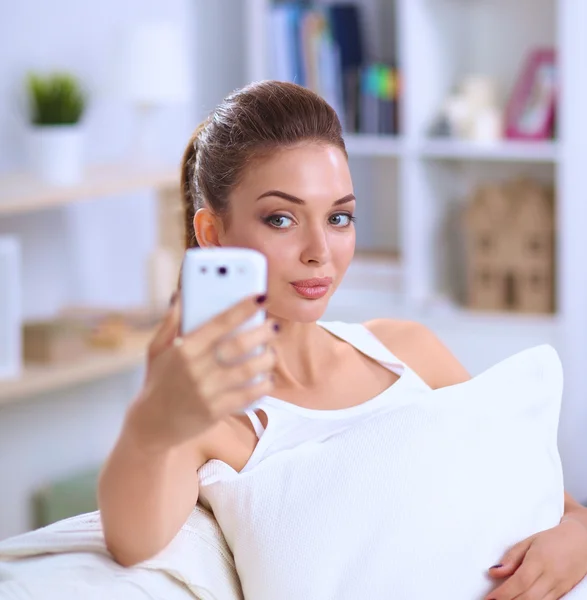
x=279, y=221
x=341, y=219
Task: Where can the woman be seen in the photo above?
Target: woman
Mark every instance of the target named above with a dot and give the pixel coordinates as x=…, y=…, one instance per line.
x=268, y=170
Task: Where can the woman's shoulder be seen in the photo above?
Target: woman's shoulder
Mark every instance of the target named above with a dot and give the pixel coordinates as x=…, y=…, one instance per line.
x=420, y=348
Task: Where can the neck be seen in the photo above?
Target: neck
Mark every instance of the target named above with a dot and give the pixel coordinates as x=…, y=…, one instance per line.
x=301, y=354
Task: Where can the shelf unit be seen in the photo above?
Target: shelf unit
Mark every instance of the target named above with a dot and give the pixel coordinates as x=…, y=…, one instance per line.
x=38, y=380
x=431, y=41
x=454, y=150
x=506, y=151
x=20, y=194
x=436, y=42
x=374, y=145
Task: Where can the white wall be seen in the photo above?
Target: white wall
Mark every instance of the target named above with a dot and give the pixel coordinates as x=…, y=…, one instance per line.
x=93, y=252
x=82, y=37
x=45, y=439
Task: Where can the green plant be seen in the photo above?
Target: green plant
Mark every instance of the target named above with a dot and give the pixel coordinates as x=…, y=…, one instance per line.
x=55, y=99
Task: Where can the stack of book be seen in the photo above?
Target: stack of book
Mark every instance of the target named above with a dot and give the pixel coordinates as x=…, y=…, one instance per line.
x=322, y=48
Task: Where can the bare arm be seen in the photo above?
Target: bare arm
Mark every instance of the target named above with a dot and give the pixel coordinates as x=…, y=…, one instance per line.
x=575, y=510
x=146, y=493
x=149, y=484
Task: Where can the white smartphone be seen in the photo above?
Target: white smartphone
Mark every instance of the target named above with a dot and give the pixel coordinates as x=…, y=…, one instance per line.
x=214, y=279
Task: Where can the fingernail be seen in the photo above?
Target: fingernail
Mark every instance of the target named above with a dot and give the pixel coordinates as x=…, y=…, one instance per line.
x=173, y=298
x=276, y=327
x=496, y=566
x=261, y=299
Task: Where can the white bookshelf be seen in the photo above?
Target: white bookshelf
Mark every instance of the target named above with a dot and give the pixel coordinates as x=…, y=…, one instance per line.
x=388, y=146
x=437, y=42
x=375, y=145
x=42, y=380
x=502, y=151
x=22, y=193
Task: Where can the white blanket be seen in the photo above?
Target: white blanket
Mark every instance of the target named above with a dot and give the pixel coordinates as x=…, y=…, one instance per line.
x=68, y=560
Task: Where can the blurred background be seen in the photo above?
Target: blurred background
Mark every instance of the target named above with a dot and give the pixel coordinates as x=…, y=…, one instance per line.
x=466, y=128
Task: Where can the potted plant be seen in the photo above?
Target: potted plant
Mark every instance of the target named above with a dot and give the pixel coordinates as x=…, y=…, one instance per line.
x=56, y=103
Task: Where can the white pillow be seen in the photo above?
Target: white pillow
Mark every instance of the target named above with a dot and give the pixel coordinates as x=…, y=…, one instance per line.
x=477, y=470
x=488, y=456
x=461, y=474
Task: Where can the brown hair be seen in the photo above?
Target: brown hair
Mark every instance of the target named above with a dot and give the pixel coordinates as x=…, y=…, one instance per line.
x=248, y=124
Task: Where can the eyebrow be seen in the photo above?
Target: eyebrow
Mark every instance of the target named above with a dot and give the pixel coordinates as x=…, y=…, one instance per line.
x=296, y=200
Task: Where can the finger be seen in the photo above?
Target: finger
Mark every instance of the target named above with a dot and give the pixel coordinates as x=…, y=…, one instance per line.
x=239, y=346
x=230, y=352
x=512, y=559
x=168, y=327
x=542, y=589
x=208, y=334
x=235, y=400
x=242, y=374
x=521, y=581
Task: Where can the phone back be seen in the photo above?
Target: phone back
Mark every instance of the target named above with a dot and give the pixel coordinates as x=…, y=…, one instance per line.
x=214, y=279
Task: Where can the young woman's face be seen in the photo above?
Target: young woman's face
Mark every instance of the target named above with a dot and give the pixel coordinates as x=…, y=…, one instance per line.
x=296, y=207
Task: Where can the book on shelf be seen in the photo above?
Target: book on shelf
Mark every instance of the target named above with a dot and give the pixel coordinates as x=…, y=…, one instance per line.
x=379, y=99
x=322, y=48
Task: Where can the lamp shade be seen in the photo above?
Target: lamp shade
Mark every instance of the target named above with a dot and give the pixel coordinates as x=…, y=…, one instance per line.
x=156, y=70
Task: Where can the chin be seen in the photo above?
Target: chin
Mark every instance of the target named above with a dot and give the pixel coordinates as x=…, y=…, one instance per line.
x=299, y=310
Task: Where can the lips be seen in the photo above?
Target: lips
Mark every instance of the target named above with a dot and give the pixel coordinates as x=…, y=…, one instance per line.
x=314, y=282
x=313, y=288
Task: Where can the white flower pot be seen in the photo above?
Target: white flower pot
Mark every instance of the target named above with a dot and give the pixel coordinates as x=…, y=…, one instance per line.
x=56, y=153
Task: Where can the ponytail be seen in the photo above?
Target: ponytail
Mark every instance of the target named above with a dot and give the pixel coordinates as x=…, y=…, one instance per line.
x=189, y=191
x=189, y=187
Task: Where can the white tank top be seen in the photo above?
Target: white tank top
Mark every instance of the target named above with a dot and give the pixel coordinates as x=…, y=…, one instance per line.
x=281, y=514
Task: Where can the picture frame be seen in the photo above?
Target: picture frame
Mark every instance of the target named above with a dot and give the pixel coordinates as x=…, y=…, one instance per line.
x=530, y=112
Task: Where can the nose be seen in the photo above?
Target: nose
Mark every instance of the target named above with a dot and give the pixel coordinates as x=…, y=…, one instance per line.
x=316, y=250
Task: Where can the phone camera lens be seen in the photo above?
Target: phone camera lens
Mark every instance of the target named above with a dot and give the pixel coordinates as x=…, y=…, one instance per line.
x=222, y=270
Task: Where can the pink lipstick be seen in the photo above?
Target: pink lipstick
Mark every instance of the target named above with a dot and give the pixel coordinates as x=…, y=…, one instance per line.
x=314, y=288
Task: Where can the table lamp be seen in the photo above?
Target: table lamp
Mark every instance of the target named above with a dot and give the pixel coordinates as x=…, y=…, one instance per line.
x=156, y=75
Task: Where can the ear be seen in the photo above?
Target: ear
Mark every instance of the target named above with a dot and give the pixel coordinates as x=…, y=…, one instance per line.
x=207, y=228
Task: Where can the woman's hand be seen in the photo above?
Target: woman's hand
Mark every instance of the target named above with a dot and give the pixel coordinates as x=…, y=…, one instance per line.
x=544, y=566
x=212, y=373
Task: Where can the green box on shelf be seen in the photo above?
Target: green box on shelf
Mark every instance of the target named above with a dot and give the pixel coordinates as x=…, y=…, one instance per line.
x=65, y=498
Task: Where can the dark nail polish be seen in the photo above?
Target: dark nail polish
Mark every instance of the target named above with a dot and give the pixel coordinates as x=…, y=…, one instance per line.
x=276, y=327
x=261, y=299
x=173, y=298
x=496, y=566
